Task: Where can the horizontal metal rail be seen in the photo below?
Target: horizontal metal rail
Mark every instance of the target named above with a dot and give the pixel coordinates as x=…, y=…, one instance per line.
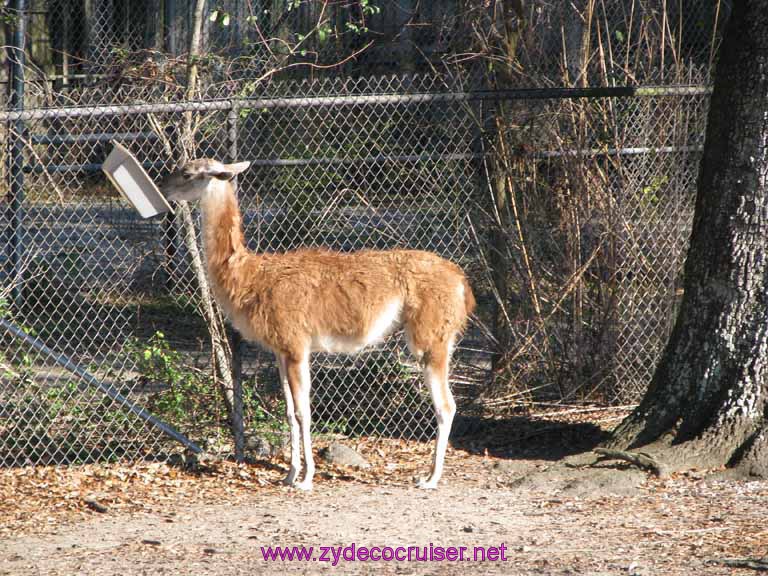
x=92, y=137
x=355, y=100
x=89, y=168
x=114, y=110
x=618, y=151
x=414, y=158
x=382, y=159
x=477, y=95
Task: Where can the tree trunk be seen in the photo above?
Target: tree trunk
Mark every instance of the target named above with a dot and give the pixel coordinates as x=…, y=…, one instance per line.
x=221, y=351
x=707, y=405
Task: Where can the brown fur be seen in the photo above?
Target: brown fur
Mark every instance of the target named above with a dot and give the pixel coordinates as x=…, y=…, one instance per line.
x=282, y=300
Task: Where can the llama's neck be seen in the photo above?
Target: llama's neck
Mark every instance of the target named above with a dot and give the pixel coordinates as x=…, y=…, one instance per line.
x=222, y=229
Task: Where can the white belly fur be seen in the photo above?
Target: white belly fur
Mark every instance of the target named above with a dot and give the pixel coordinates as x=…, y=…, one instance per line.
x=387, y=322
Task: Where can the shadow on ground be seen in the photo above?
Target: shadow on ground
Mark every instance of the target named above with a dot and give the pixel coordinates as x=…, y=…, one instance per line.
x=522, y=437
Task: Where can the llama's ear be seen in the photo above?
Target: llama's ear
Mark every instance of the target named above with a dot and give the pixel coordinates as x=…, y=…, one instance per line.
x=232, y=170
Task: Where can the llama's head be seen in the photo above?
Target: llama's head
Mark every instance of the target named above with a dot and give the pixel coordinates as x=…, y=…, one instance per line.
x=192, y=180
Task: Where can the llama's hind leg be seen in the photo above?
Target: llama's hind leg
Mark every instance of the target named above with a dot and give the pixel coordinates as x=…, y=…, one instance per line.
x=299, y=380
x=436, y=376
x=290, y=415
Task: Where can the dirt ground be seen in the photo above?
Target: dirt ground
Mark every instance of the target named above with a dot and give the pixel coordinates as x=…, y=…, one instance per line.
x=520, y=485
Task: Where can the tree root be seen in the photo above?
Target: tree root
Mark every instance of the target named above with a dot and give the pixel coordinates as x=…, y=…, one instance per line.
x=94, y=504
x=639, y=459
x=759, y=564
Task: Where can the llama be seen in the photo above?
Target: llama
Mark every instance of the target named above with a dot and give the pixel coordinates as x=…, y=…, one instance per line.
x=310, y=300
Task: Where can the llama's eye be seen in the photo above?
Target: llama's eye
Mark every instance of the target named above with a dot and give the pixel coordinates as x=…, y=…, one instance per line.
x=188, y=175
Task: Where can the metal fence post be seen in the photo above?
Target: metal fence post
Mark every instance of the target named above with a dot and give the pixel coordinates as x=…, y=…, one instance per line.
x=15, y=231
x=170, y=234
x=236, y=340
x=170, y=231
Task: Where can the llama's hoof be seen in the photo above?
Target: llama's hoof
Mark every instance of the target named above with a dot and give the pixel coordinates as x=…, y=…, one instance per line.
x=303, y=485
x=426, y=484
x=290, y=480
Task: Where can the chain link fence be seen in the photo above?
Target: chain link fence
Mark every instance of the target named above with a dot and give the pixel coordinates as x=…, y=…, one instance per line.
x=604, y=190
x=603, y=195
x=116, y=294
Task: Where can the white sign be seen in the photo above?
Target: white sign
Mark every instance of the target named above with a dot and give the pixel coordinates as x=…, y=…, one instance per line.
x=133, y=182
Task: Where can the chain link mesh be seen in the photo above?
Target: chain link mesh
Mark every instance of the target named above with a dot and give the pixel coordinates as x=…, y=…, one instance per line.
x=116, y=295
x=652, y=186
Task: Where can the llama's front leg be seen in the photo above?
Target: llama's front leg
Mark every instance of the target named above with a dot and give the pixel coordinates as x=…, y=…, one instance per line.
x=436, y=376
x=299, y=380
x=290, y=415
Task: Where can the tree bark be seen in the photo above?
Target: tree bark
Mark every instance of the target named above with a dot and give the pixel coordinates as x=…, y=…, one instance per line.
x=707, y=405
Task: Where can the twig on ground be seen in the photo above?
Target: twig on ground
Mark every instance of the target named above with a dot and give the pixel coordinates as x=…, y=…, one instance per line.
x=580, y=410
x=759, y=564
x=637, y=458
x=95, y=505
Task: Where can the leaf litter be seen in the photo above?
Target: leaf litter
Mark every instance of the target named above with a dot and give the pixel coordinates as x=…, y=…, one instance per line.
x=151, y=516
